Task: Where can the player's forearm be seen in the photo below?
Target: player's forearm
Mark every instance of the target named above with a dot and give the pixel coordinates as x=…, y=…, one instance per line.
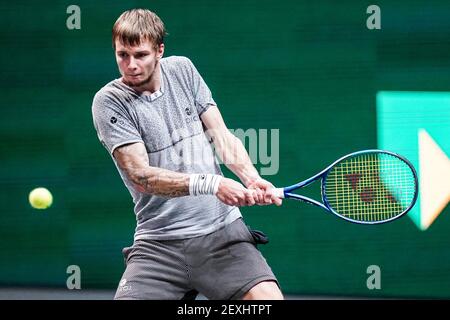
x=160, y=182
x=233, y=154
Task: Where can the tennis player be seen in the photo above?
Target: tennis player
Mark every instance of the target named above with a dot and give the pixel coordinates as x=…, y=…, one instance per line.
x=161, y=127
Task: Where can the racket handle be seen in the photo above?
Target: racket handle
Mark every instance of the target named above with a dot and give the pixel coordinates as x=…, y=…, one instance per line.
x=279, y=192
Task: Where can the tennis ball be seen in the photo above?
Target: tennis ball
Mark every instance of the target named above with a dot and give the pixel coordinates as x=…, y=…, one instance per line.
x=40, y=198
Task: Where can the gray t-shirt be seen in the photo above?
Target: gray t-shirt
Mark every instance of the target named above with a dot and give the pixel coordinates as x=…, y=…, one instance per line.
x=168, y=124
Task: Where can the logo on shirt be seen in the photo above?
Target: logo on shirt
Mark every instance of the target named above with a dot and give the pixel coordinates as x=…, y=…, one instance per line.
x=115, y=120
x=190, y=119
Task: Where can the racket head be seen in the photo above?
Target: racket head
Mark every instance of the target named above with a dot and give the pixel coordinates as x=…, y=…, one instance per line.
x=370, y=187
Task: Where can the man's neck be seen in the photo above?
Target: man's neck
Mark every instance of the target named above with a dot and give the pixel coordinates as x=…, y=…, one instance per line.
x=153, y=85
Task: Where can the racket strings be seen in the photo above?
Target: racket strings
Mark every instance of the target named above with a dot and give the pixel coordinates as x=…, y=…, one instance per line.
x=370, y=187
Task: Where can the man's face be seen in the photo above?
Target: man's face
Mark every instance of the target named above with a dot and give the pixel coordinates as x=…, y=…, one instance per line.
x=137, y=64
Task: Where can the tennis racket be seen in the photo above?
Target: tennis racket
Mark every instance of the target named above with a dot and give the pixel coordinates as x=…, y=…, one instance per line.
x=365, y=187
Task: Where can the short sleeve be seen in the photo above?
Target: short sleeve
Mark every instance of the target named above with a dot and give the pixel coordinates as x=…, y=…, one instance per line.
x=113, y=124
x=202, y=94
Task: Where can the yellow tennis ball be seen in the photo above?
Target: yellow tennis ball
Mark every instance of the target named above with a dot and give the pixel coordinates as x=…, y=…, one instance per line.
x=40, y=198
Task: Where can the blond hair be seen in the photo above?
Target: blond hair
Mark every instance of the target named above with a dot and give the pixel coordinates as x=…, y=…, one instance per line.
x=138, y=24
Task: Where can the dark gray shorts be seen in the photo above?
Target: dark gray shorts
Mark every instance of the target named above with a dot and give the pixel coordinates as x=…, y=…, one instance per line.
x=221, y=265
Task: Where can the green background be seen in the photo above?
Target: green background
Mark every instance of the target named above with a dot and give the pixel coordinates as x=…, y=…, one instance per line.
x=310, y=69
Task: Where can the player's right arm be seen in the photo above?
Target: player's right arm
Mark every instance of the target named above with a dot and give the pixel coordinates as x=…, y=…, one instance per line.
x=133, y=160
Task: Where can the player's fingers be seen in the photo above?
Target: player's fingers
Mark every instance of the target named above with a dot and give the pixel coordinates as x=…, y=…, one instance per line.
x=276, y=200
x=256, y=196
x=246, y=197
x=267, y=197
x=242, y=199
x=250, y=198
x=234, y=201
x=259, y=195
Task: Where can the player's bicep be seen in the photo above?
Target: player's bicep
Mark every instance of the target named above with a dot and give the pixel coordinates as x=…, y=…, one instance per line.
x=215, y=126
x=212, y=119
x=132, y=159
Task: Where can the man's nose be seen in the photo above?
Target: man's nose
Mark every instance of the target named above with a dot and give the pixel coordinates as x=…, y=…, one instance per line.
x=132, y=64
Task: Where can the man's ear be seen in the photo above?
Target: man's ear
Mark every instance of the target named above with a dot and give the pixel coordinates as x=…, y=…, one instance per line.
x=160, y=50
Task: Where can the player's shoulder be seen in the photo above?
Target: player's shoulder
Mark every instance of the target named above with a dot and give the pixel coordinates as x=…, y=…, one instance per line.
x=109, y=90
x=112, y=93
x=176, y=62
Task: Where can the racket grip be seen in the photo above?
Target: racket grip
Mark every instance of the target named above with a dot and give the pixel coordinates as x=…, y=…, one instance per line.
x=279, y=192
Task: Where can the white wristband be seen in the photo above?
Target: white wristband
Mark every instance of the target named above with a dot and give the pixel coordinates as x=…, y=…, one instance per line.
x=202, y=184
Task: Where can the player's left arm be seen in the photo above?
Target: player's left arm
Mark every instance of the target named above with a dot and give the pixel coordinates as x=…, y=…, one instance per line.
x=233, y=154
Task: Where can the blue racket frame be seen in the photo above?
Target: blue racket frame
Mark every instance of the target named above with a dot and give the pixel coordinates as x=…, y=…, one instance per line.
x=323, y=174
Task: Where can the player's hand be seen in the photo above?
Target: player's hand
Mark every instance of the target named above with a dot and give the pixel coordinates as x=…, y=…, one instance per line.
x=235, y=194
x=265, y=192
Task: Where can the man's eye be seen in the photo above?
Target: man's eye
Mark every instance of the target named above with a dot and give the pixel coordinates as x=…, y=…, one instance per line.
x=141, y=55
x=122, y=55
